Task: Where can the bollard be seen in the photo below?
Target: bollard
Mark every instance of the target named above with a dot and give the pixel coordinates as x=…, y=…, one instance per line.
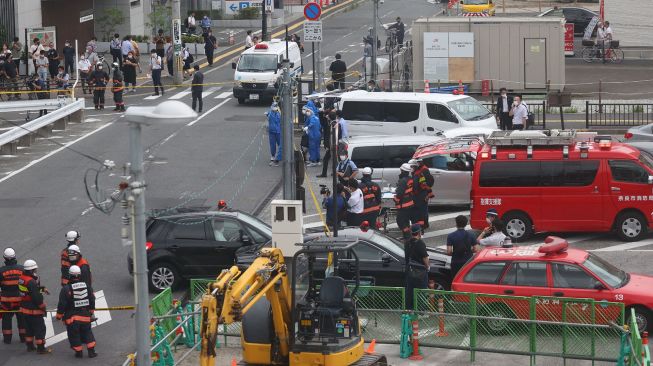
x=427, y=87
x=441, y=332
x=416, y=356
x=405, y=348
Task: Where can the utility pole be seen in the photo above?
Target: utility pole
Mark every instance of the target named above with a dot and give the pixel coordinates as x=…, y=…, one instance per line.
x=264, y=23
x=140, y=258
x=320, y=78
x=286, y=130
x=375, y=42
x=176, y=42
x=334, y=162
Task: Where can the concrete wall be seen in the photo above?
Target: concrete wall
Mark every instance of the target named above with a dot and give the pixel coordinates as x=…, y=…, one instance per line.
x=498, y=48
x=28, y=15
x=135, y=16
x=631, y=21
x=65, y=16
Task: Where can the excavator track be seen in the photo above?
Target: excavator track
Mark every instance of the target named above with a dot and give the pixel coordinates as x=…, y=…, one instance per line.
x=371, y=360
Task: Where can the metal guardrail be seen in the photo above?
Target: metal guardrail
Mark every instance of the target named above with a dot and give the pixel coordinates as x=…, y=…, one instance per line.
x=617, y=114
x=61, y=109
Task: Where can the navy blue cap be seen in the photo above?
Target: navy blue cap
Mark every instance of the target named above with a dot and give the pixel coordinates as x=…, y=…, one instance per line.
x=416, y=228
x=491, y=212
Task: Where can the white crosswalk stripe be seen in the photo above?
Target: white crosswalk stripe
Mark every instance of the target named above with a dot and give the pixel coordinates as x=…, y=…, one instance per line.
x=223, y=95
x=180, y=95
x=211, y=90
x=152, y=97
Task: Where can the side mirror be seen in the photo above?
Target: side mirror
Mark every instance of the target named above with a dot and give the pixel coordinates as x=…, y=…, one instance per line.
x=599, y=286
x=386, y=259
x=233, y=65
x=650, y=179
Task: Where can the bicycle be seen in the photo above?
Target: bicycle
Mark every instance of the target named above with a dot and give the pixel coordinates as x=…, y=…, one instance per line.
x=592, y=52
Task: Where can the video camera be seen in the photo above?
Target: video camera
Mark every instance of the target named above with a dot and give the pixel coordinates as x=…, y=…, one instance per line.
x=324, y=190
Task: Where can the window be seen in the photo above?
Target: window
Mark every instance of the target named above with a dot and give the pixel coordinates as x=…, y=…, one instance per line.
x=366, y=252
x=371, y=156
x=380, y=111
x=571, y=276
x=534, y=173
x=256, y=236
x=568, y=173
x=440, y=113
x=531, y=274
x=628, y=171
x=487, y=272
x=226, y=230
x=397, y=154
x=257, y=63
x=188, y=229
x=451, y=162
x=510, y=174
x=470, y=109
x=610, y=274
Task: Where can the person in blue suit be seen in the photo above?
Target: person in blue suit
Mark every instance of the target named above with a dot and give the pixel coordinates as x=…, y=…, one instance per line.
x=274, y=133
x=312, y=129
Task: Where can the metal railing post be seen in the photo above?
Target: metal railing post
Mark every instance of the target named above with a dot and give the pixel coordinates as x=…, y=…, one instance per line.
x=472, y=327
x=564, y=328
x=587, y=114
x=532, y=330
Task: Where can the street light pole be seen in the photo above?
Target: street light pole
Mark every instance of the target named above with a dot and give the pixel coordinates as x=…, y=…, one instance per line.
x=286, y=130
x=375, y=17
x=166, y=112
x=178, y=75
x=140, y=261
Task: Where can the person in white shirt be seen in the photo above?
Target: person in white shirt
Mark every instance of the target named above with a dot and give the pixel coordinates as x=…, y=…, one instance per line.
x=34, y=52
x=84, y=67
x=343, y=126
x=248, y=40
x=192, y=25
x=519, y=113
x=355, y=203
x=155, y=67
x=496, y=239
x=218, y=231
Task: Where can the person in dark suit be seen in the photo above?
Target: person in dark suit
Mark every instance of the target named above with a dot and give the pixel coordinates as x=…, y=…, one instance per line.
x=504, y=103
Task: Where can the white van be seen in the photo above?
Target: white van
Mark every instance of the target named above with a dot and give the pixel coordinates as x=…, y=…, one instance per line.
x=259, y=68
x=388, y=113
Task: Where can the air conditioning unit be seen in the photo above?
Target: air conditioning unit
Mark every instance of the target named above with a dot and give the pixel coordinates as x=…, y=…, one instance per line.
x=287, y=226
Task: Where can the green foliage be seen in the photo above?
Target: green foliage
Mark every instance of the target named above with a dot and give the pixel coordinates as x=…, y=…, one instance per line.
x=199, y=14
x=638, y=109
x=108, y=21
x=249, y=12
x=159, y=18
x=191, y=39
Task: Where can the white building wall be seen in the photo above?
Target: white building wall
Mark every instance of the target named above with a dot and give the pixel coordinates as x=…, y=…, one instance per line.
x=28, y=15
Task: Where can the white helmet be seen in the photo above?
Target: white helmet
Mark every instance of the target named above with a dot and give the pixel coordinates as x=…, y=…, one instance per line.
x=30, y=265
x=72, y=235
x=367, y=171
x=74, y=248
x=414, y=162
x=9, y=253
x=75, y=271
x=406, y=167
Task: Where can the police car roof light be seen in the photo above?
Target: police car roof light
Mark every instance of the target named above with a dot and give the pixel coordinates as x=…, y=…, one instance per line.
x=365, y=226
x=565, y=152
x=261, y=46
x=605, y=144
x=554, y=245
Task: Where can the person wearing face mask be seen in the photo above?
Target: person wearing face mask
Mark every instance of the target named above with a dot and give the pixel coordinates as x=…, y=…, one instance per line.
x=34, y=52
x=490, y=215
x=355, y=203
x=519, y=113
x=371, y=196
x=42, y=66
x=312, y=129
x=84, y=67
x=99, y=79
x=346, y=168
x=129, y=70
x=16, y=49
x=53, y=60
x=494, y=236
x=155, y=68
x=504, y=104
x=118, y=88
x=92, y=57
x=33, y=307
x=274, y=134
x=372, y=87
x=68, y=58
x=197, y=87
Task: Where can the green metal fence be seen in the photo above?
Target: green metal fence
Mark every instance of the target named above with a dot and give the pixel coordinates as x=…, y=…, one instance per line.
x=161, y=305
x=639, y=354
x=546, y=326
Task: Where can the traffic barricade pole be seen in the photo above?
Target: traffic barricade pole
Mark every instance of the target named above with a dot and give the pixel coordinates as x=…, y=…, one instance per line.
x=441, y=332
x=405, y=348
x=416, y=356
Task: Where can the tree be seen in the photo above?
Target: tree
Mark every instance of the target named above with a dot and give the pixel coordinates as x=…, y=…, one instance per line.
x=108, y=21
x=160, y=19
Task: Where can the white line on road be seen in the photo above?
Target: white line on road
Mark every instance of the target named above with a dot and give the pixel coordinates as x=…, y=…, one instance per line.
x=223, y=95
x=207, y=112
x=180, y=95
x=625, y=246
x=34, y=162
x=211, y=90
x=152, y=97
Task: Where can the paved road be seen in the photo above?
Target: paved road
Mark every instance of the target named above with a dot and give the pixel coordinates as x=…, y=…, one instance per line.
x=43, y=195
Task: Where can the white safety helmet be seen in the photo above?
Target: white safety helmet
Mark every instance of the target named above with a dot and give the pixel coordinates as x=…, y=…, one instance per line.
x=406, y=167
x=30, y=265
x=74, y=248
x=367, y=171
x=9, y=253
x=414, y=162
x=72, y=235
x=75, y=271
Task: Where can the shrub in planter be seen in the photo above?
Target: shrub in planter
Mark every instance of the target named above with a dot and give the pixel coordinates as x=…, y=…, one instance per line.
x=191, y=39
x=249, y=13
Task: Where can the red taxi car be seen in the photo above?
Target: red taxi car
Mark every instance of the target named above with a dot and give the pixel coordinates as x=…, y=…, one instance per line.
x=554, y=270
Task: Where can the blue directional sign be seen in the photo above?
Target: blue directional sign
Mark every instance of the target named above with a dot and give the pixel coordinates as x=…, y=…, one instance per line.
x=233, y=7
x=244, y=4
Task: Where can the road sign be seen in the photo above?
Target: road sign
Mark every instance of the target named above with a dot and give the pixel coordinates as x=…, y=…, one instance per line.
x=313, y=31
x=233, y=7
x=569, y=39
x=85, y=15
x=269, y=6
x=312, y=11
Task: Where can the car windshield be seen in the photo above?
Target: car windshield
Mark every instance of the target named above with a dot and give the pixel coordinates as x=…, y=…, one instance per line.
x=646, y=159
x=257, y=63
x=610, y=274
x=476, y=2
x=389, y=244
x=470, y=109
x=255, y=222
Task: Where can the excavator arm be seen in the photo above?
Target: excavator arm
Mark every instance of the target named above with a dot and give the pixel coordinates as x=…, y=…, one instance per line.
x=234, y=293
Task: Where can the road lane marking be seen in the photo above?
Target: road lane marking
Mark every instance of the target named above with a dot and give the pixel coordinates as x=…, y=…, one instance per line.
x=210, y=91
x=180, y=95
x=34, y=162
x=207, y=112
x=103, y=316
x=624, y=246
x=223, y=95
x=152, y=97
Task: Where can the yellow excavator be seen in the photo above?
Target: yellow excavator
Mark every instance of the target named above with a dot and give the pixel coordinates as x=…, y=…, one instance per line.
x=312, y=321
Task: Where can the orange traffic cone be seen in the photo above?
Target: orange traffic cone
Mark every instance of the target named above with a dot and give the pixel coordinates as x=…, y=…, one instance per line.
x=370, y=348
x=234, y=362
